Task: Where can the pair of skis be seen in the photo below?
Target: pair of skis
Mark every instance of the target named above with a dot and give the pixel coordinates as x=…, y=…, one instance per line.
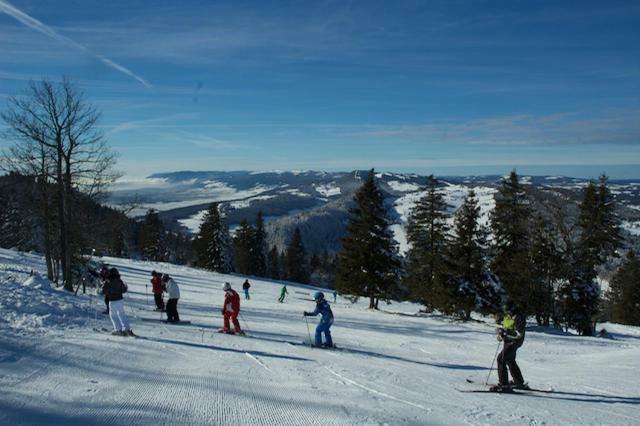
x=511, y=391
x=104, y=330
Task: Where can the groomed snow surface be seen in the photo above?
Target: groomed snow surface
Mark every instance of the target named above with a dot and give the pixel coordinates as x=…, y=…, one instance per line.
x=394, y=367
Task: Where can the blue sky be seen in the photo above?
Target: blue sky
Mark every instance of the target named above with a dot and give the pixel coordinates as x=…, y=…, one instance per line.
x=450, y=87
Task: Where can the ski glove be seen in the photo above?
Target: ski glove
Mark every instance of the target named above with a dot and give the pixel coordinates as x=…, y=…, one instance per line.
x=305, y=314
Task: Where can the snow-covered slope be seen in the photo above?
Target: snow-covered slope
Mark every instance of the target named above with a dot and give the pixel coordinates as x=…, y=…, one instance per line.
x=395, y=367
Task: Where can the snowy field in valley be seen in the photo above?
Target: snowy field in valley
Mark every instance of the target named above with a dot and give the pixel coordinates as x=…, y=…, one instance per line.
x=393, y=367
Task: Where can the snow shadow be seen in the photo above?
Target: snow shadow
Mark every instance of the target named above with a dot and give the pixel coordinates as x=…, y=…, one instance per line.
x=588, y=397
x=222, y=349
x=372, y=354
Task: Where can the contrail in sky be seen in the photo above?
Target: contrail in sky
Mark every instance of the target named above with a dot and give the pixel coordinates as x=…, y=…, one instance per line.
x=48, y=31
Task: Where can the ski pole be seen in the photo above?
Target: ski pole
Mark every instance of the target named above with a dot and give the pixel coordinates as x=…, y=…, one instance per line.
x=246, y=327
x=308, y=332
x=486, y=382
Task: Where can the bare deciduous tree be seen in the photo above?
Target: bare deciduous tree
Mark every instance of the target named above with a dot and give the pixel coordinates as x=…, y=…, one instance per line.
x=56, y=140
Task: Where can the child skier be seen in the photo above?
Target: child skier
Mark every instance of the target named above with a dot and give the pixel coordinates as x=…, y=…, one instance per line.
x=231, y=310
x=512, y=334
x=174, y=295
x=283, y=293
x=156, y=288
x=114, y=289
x=246, y=286
x=324, y=326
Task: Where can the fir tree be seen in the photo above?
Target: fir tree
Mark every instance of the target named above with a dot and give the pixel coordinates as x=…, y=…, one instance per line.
x=510, y=222
x=296, y=265
x=274, y=268
x=212, y=246
x=599, y=238
x=546, y=262
x=468, y=269
x=151, y=237
x=259, y=251
x=624, y=292
x=427, y=233
x=243, y=245
x=368, y=262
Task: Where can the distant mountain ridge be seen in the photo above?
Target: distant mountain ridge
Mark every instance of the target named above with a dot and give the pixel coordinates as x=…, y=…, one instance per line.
x=318, y=202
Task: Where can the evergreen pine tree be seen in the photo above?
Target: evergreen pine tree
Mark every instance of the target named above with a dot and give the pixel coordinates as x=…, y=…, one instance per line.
x=427, y=233
x=510, y=222
x=151, y=237
x=624, y=292
x=546, y=270
x=599, y=238
x=368, y=262
x=212, y=248
x=274, y=268
x=259, y=251
x=243, y=245
x=297, y=269
x=476, y=289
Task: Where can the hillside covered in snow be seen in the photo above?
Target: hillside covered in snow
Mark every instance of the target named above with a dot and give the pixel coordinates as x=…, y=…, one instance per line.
x=318, y=202
x=393, y=366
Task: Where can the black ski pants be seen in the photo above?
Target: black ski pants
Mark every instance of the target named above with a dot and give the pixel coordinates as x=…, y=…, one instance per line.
x=172, y=310
x=507, y=359
x=159, y=302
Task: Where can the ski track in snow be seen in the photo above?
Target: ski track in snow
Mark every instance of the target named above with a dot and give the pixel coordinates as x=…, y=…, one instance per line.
x=354, y=383
x=389, y=369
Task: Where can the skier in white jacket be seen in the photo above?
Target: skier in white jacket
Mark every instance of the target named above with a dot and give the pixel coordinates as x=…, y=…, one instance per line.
x=171, y=287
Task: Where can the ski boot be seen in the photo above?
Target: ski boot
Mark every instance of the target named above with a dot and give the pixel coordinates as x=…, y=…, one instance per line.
x=522, y=386
x=501, y=388
x=130, y=333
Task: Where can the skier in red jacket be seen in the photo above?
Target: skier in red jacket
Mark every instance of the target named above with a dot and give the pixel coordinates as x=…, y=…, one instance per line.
x=231, y=310
x=156, y=286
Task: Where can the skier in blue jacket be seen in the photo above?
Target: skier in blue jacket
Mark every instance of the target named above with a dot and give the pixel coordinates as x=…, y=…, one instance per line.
x=322, y=308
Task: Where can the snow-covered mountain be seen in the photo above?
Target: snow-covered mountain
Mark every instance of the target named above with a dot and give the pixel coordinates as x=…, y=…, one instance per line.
x=318, y=201
x=393, y=366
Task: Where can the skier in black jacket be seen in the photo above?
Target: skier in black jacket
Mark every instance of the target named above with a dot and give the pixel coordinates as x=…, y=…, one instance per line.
x=114, y=290
x=512, y=333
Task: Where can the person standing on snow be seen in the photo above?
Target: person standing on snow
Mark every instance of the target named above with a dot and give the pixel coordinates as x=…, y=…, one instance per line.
x=283, y=293
x=246, y=286
x=114, y=290
x=102, y=276
x=335, y=296
x=326, y=321
x=512, y=334
x=156, y=288
x=231, y=310
x=173, y=291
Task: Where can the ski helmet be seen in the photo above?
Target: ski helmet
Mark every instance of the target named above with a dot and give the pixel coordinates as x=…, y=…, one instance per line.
x=113, y=273
x=226, y=286
x=318, y=295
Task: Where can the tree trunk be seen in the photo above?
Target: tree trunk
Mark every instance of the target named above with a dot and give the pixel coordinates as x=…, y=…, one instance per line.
x=68, y=258
x=62, y=219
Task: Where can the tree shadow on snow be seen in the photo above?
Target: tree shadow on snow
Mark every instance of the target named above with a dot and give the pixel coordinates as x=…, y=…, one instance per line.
x=222, y=349
x=588, y=397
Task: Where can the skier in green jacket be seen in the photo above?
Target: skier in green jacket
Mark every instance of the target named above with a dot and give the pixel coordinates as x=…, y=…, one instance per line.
x=283, y=293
